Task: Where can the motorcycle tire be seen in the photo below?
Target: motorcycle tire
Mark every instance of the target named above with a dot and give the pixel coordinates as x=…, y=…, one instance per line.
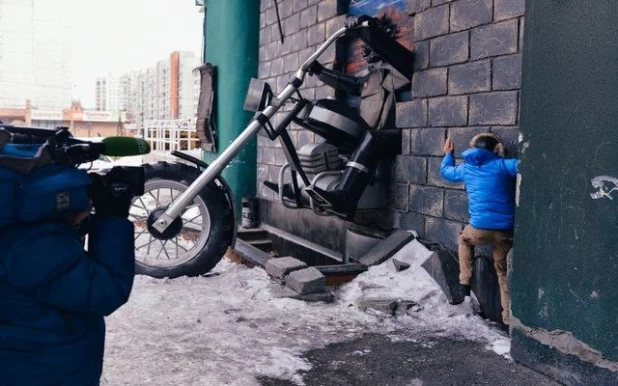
x=200, y=245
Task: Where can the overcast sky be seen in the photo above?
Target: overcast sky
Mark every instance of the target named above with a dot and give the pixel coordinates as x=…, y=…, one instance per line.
x=115, y=36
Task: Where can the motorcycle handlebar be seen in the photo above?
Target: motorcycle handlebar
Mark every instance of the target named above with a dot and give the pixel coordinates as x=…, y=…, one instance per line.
x=386, y=47
x=379, y=41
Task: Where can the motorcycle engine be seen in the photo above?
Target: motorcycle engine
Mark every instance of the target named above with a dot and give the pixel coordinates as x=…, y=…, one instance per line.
x=324, y=164
x=321, y=160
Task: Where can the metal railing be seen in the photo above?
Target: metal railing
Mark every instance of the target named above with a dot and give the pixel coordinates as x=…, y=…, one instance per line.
x=167, y=135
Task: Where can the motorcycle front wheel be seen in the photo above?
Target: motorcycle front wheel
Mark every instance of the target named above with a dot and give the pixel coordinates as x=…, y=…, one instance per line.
x=205, y=228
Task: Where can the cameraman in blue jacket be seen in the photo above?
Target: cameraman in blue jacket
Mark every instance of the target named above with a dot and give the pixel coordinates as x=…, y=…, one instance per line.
x=54, y=294
x=490, y=184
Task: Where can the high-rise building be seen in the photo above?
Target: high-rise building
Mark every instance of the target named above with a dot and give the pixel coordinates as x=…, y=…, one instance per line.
x=169, y=90
x=124, y=90
x=112, y=92
x=164, y=90
x=101, y=94
x=188, y=85
x=35, y=55
x=136, y=97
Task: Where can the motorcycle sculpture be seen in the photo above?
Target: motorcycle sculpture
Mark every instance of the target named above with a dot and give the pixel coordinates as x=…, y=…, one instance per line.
x=185, y=220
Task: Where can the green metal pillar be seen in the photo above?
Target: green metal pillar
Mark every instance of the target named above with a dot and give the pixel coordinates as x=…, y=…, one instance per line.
x=231, y=44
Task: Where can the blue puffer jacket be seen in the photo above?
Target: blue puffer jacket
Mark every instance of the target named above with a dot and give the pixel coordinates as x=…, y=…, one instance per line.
x=53, y=296
x=490, y=184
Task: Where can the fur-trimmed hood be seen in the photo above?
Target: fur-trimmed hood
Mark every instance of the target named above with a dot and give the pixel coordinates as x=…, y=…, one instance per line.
x=478, y=157
x=500, y=148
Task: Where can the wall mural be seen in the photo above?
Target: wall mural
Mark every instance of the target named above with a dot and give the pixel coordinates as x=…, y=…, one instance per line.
x=394, y=16
x=605, y=186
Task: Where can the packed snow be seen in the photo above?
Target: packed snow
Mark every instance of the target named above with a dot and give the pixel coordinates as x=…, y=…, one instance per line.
x=232, y=325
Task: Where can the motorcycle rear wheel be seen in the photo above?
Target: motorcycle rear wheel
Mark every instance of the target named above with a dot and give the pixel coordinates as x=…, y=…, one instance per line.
x=207, y=224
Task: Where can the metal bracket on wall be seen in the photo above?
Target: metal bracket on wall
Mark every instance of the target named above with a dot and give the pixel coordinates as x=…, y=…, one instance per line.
x=205, y=124
x=342, y=6
x=279, y=20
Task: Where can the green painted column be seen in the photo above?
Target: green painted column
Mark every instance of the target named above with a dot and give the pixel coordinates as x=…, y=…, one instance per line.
x=565, y=259
x=232, y=42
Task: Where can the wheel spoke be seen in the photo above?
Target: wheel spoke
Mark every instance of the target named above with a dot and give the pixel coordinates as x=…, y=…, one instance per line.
x=143, y=245
x=149, y=243
x=192, y=222
x=179, y=246
x=134, y=204
x=138, y=218
x=139, y=234
x=165, y=250
x=162, y=248
x=145, y=207
x=155, y=198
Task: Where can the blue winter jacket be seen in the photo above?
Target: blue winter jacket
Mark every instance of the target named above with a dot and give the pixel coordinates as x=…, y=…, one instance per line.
x=53, y=296
x=490, y=184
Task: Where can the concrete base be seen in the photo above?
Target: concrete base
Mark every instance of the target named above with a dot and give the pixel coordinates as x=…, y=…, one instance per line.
x=386, y=248
x=326, y=231
x=306, y=281
x=358, y=243
x=443, y=267
x=280, y=267
x=565, y=368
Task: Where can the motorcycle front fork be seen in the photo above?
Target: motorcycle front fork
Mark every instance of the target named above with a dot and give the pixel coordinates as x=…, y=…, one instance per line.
x=217, y=166
x=261, y=118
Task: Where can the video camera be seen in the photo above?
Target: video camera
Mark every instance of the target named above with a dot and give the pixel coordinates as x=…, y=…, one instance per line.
x=119, y=180
x=39, y=178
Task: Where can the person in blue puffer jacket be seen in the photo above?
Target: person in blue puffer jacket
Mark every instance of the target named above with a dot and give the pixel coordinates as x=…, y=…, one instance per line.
x=54, y=294
x=490, y=183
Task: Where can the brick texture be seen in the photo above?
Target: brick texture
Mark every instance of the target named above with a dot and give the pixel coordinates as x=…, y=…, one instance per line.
x=305, y=25
x=477, y=45
x=450, y=49
x=468, y=63
x=448, y=111
x=430, y=82
x=470, y=13
x=494, y=40
x=431, y=22
x=470, y=78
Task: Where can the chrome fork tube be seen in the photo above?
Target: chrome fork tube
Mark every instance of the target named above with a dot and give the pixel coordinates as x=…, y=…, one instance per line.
x=184, y=199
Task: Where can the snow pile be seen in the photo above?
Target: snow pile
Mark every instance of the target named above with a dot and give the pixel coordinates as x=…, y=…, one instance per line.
x=415, y=284
x=229, y=327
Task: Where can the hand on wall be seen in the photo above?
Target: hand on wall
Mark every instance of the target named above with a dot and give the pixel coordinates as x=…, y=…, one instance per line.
x=448, y=145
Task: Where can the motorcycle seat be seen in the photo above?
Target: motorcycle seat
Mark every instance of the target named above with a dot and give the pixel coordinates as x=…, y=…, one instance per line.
x=335, y=121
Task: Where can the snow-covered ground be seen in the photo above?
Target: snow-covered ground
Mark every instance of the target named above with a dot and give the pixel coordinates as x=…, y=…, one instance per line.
x=229, y=327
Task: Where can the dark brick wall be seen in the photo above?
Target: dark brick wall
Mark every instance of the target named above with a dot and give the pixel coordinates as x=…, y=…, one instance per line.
x=467, y=80
x=306, y=24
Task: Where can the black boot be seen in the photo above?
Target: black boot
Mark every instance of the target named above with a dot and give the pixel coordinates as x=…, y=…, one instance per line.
x=357, y=174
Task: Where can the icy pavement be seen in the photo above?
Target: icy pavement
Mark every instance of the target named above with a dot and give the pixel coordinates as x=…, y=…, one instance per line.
x=230, y=327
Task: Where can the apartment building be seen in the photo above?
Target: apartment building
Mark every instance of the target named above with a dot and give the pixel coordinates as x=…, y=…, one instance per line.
x=112, y=92
x=188, y=85
x=168, y=90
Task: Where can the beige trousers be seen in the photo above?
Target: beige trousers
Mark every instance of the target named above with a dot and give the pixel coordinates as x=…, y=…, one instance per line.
x=502, y=242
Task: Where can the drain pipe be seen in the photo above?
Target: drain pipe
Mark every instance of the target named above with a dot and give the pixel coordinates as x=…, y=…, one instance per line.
x=232, y=29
